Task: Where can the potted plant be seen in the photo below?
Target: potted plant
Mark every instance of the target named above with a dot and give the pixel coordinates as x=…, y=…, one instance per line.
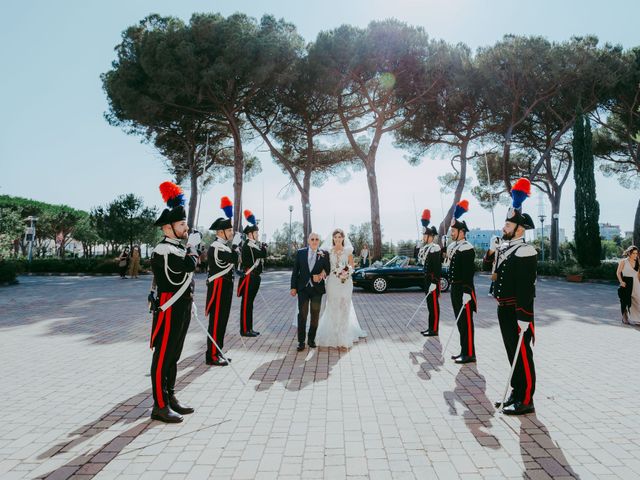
x=574, y=273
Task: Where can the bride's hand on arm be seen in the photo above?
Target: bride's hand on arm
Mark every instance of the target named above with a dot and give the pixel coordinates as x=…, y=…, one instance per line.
x=351, y=262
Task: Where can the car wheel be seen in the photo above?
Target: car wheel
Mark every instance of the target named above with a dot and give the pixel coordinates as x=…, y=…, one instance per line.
x=444, y=284
x=380, y=285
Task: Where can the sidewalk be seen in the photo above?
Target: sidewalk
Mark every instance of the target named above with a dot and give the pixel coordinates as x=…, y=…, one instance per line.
x=77, y=393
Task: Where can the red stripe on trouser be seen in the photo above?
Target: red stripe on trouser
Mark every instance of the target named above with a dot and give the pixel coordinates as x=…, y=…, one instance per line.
x=469, y=330
x=163, y=349
x=163, y=298
x=213, y=294
x=527, y=373
x=244, y=306
x=214, y=350
x=435, y=310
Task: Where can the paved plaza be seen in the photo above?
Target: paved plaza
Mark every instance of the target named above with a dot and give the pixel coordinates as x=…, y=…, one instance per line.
x=76, y=396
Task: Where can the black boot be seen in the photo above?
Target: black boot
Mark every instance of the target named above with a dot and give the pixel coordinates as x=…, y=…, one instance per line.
x=176, y=406
x=429, y=333
x=466, y=359
x=519, y=408
x=455, y=357
x=249, y=334
x=255, y=333
x=300, y=347
x=510, y=401
x=165, y=415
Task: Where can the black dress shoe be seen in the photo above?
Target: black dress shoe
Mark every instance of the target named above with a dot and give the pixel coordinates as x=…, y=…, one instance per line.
x=176, y=406
x=300, y=347
x=165, y=415
x=429, y=333
x=465, y=359
x=249, y=334
x=312, y=344
x=509, y=401
x=255, y=333
x=219, y=363
x=455, y=357
x=422, y=332
x=518, y=408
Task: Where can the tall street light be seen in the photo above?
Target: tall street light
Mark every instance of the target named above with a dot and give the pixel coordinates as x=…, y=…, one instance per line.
x=290, y=213
x=31, y=234
x=542, y=217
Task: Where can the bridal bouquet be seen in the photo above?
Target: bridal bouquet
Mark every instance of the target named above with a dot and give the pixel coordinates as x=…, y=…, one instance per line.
x=344, y=274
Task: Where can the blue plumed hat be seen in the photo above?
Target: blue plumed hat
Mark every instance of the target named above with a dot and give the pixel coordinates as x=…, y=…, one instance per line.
x=462, y=207
x=174, y=198
x=222, y=223
x=519, y=193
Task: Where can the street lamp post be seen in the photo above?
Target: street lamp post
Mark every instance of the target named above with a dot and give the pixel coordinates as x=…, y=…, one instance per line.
x=290, y=213
x=542, y=217
x=31, y=233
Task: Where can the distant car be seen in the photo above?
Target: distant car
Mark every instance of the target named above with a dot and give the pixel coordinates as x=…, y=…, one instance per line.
x=399, y=272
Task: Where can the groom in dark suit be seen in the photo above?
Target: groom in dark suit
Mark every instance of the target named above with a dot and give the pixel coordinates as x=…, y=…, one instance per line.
x=311, y=267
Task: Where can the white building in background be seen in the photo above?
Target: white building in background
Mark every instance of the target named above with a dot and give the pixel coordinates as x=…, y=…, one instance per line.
x=547, y=233
x=628, y=234
x=480, y=238
x=608, y=231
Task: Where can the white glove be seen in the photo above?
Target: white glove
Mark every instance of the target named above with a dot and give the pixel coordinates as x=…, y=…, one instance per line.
x=432, y=287
x=237, y=238
x=523, y=325
x=194, y=239
x=466, y=298
x=495, y=242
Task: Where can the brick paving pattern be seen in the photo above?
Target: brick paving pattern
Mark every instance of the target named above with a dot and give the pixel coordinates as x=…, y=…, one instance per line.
x=76, y=393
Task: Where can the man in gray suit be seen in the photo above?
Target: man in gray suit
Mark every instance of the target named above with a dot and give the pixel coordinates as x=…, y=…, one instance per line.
x=311, y=267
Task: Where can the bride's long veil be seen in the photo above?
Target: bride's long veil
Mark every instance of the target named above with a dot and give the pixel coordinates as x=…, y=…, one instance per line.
x=327, y=244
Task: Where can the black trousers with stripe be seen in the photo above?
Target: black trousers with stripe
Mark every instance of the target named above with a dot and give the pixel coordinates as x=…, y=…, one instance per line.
x=433, y=305
x=170, y=329
x=523, y=381
x=219, y=296
x=248, y=289
x=465, y=321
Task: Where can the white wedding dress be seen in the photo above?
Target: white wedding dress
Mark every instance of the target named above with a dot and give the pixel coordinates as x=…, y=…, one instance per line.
x=338, y=325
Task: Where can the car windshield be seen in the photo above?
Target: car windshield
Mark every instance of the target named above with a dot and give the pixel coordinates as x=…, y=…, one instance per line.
x=397, y=261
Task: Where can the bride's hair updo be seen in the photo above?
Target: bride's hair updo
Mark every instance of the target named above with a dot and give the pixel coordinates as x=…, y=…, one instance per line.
x=341, y=232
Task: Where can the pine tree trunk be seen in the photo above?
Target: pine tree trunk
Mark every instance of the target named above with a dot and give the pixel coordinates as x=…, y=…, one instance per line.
x=446, y=221
x=506, y=155
x=193, y=198
x=305, y=197
x=376, y=229
x=238, y=172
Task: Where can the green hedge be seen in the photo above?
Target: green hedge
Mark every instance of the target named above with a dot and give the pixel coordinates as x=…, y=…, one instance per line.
x=284, y=262
x=8, y=272
x=69, y=265
x=606, y=271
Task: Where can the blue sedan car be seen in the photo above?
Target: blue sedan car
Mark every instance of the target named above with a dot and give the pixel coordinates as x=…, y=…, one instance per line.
x=399, y=272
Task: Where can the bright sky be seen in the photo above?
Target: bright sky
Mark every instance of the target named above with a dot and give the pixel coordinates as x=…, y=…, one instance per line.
x=55, y=145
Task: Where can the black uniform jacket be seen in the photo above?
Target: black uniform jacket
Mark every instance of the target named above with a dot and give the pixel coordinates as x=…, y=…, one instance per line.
x=251, y=252
x=220, y=256
x=516, y=277
x=170, y=263
x=430, y=257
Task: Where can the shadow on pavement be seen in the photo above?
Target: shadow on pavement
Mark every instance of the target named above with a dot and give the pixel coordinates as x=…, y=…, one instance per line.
x=430, y=358
x=470, y=393
x=127, y=412
x=540, y=453
x=294, y=372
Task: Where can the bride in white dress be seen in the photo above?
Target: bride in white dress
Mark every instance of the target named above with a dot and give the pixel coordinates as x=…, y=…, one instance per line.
x=338, y=325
